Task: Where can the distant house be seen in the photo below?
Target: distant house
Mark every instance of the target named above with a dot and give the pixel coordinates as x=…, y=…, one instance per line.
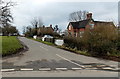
x=45, y=30
x=77, y=28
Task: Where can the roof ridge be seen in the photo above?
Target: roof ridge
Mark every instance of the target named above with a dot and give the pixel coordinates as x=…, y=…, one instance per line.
x=104, y=21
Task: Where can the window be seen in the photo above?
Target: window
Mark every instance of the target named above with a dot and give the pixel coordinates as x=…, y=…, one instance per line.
x=91, y=26
x=81, y=33
x=70, y=27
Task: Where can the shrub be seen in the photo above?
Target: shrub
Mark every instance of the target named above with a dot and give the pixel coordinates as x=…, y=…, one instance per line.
x=100, y=41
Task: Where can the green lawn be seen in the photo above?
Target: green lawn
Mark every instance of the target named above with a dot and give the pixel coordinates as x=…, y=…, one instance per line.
x=10, y=45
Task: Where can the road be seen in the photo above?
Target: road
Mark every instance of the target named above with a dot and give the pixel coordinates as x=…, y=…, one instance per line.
x=46, y=61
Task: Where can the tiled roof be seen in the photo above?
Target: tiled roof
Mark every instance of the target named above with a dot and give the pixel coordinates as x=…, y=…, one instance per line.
x=79, y=24
x=83, y=23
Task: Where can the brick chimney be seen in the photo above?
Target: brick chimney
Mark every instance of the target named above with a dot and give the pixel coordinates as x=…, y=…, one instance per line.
x=89, y=16
x=50, y=25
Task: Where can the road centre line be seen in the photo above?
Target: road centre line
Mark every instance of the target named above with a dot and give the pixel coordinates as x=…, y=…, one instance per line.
x=44, y=48
x=70, y=61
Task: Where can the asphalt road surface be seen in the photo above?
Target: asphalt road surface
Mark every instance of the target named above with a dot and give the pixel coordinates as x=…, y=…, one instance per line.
x=46, y=61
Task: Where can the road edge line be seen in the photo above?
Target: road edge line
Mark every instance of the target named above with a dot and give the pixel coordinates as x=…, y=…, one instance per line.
x=70, y=61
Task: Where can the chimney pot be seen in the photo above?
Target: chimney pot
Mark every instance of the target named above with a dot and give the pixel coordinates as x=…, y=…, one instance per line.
x=89, y=16
x=50, y=25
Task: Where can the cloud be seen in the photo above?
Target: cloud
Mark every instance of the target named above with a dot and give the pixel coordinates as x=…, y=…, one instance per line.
x=58, y=12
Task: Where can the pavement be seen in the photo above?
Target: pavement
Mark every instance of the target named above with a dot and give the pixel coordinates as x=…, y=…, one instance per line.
x=46, y=61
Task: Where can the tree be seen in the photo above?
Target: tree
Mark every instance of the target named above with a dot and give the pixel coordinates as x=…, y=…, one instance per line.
x=24, y=29
x=0, y=13
x=28, y=32
x=11, y=30
x=5, y=16
x=77, y=16
x=0, y=30
x=36, y=22
x=56, y=28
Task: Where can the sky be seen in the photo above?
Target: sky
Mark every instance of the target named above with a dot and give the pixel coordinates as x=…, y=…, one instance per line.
x=57, y=12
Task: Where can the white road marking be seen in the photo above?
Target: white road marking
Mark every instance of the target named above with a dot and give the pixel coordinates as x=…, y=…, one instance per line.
x=70, y=61
x=116, y=69
x=76, y=68
x=61, y=68
x=107, y=68
x=44, y=48
x=26, y=69
x=45, y=69
x=5, y=70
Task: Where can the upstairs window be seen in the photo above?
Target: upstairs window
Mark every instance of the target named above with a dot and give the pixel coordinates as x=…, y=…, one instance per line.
x=91, y=26
x=70, y=27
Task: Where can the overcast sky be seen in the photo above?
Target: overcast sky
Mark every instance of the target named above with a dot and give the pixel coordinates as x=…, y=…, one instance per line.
x=58, y=12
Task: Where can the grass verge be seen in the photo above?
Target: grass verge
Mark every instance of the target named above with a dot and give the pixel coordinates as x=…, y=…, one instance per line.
x=74, y=50
x=10, y=45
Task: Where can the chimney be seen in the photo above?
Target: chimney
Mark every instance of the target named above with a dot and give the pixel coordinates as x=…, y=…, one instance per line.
x=89, y=16
x=50, y=25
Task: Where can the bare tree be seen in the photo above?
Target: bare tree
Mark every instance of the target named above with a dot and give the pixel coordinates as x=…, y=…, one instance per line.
x=24, y=29
x=84, y=14
x=5, y=13
x=56, y=28
x=36, y=22
x=77, y=16
x=5, y=16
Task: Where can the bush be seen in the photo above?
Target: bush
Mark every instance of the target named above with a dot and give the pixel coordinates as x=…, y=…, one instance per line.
x=100, y=41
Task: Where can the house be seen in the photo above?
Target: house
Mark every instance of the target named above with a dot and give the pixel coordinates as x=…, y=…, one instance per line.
x=77, y=28
x=45, y=30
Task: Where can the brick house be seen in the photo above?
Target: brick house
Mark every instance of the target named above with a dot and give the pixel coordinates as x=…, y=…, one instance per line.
x=45, y=30
x=77, y=28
